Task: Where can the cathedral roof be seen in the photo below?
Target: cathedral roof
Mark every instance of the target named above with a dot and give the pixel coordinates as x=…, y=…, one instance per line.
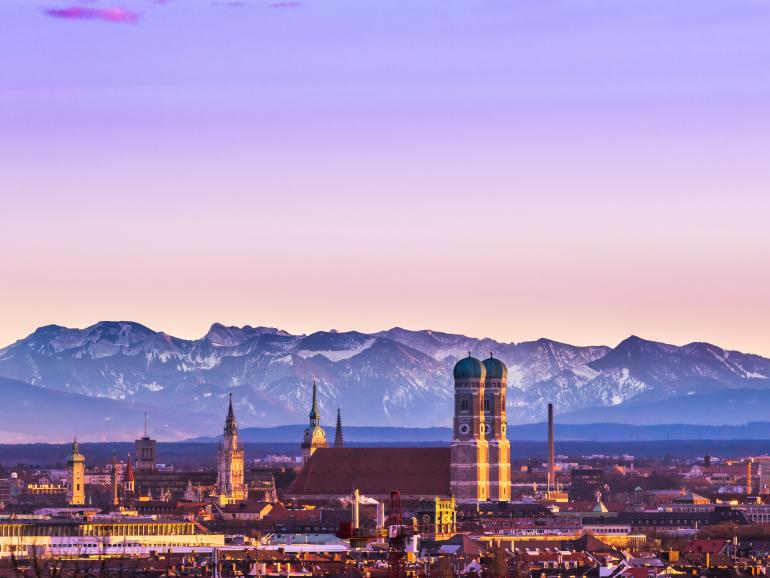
x=375, y=472
x=469, y=368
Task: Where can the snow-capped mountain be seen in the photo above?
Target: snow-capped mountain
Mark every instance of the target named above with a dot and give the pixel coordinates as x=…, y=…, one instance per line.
x=394, y=377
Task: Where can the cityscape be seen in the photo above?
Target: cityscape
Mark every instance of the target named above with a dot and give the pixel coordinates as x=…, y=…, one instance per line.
x=336, y=509
x=384, y=288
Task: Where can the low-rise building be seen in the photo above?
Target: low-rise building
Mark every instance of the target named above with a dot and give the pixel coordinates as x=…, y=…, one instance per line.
x=87, y=534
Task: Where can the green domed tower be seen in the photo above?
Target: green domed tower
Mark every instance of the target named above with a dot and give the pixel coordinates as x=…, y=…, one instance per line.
x=495, y=386
x=469, y=468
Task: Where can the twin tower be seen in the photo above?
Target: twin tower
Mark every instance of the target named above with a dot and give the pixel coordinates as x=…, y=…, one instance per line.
x=481, y=464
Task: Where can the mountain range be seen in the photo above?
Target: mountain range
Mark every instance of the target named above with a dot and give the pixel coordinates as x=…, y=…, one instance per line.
x=396, y=378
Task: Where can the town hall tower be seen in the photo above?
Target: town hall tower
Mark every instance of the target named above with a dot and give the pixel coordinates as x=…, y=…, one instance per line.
x=231, y=487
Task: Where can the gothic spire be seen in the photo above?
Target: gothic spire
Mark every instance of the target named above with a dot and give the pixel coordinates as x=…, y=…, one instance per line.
x=230, y=425
x=315, y=415
x=338, y=443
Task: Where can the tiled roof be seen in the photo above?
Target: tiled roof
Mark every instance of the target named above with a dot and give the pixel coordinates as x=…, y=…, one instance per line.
x=375, y=472
x=705, y=547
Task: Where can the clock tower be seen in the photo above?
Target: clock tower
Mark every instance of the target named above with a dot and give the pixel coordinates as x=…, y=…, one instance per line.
x=469, y=468
x=231, y=485
x=315, y=436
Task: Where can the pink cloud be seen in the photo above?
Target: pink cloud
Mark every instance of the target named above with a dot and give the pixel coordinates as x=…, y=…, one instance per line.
x=106, y=14
x=288, y=4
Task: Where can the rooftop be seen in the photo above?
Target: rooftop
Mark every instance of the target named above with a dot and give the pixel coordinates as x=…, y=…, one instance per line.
x=375, y=472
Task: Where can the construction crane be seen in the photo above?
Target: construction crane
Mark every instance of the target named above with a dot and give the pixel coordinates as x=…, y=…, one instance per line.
x=398, y=533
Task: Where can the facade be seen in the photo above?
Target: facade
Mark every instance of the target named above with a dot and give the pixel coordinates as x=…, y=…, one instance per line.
x=76, y=476
x=437, y=518
x=469, y=467
x=315, y=436
x=101, y=536
x=495, y=386
x=158, y=482
x=668, y=522
x=231, y=487
x=146, y=451
x=585, y=482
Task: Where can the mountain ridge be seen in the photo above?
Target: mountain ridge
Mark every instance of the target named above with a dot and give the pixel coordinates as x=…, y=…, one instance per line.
x=395, y=377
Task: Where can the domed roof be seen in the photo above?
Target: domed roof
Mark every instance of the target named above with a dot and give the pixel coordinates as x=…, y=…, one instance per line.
x=75, y=456
x=496, y=369
x=469, y=368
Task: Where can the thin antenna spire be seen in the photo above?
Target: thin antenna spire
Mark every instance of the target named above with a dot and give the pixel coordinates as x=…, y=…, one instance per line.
x=145, y=424
x=314, y=404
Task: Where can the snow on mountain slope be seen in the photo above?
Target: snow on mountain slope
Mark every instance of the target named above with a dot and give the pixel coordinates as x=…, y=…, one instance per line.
x=393, y=377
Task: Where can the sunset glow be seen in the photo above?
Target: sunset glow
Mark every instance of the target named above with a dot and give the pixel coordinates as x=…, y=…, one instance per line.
x=517, y=171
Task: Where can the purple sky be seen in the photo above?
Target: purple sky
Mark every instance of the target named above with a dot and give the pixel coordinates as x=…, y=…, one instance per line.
x=581, y=170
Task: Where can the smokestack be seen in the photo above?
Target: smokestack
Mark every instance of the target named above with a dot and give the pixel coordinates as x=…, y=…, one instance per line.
x=354, y=505
x=748, y=478
x=380, y=515
x=551, y=456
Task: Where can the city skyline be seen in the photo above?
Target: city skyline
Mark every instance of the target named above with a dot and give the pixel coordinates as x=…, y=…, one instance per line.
x=577, y=172
x=511, y=257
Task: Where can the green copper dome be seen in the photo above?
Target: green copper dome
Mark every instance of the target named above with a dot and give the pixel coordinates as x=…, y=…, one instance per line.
x=469, y=368
x=496, y=369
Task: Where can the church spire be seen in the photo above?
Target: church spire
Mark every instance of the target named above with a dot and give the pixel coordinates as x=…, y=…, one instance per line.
x=315, y=436
x=338, y=443
x=315, y=415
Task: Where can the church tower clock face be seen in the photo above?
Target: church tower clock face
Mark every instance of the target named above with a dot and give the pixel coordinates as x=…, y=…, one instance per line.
x=465, y=429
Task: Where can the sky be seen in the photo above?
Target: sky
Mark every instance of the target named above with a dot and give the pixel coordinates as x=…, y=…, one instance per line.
x=581, y=170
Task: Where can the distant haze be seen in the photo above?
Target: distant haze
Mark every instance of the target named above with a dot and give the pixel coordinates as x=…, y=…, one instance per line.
x=575, y=170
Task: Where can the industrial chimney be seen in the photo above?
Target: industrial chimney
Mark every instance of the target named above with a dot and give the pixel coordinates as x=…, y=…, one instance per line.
x=354, y=506
x=551, y=456
x=380, y=515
